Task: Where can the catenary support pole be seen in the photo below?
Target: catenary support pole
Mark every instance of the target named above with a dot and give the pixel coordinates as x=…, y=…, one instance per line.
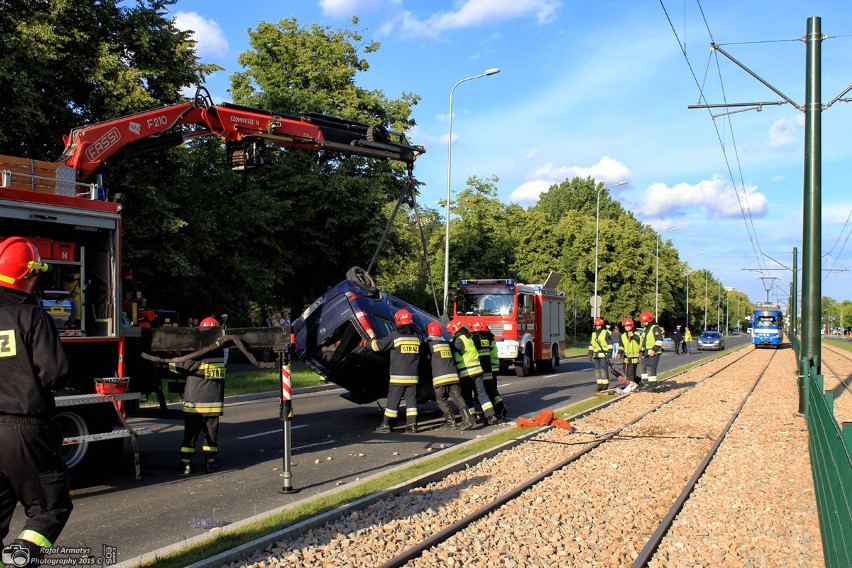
x=286, y=415
x=812, y=203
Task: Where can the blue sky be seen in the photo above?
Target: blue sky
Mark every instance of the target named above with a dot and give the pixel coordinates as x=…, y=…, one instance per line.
x=601, y=89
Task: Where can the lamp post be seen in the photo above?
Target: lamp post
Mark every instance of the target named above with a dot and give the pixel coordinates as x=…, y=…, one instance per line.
x=486, y=73
x=728, y=290
x=718, y=309
x=596, y=308
x=657, y=277
x=687, y=290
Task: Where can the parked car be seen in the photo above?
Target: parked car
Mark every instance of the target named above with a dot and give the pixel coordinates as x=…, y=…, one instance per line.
x=711, y=340
x=329, y=334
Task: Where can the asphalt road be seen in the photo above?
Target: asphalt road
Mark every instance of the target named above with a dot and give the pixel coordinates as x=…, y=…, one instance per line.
x=333, y=443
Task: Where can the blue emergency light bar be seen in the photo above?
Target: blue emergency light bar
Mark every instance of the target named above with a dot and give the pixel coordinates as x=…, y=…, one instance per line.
x=509, y=281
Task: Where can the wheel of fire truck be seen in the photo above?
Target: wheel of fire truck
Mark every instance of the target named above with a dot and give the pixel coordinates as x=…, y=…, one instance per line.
x=73, y=423
x=524, y=366
x=553, y=362
x=85, y=420
x=362, y=278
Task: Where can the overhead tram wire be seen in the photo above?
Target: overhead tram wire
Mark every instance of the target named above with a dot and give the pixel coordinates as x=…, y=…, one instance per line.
x=746, y=213
x=828, y=272
x=752, y=236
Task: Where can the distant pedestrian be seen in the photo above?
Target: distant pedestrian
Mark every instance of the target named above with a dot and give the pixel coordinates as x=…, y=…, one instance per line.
x=687, y=338
x=600, y=349
x=445, y=378
x=615, y=338
x=677, y=340
x=403, y=344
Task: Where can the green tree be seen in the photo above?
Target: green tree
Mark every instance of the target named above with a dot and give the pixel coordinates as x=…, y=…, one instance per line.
x=68, y=63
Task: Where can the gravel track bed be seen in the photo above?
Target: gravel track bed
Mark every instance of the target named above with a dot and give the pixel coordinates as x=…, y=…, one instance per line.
x=598, y=511
x=842, y=365
x=752, y=506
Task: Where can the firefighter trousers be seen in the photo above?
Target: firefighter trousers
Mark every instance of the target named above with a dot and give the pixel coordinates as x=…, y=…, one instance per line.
x=397, y=392
x=32, y=472
x=193, y=425
x=451, y=392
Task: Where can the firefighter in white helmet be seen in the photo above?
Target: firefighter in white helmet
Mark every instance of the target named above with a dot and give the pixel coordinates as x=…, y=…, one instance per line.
x=32, y=365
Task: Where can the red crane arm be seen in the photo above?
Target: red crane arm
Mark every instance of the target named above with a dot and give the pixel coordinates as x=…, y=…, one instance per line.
x=245, y=131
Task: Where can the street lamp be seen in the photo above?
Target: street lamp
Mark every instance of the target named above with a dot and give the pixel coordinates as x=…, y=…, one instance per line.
x=718, y=308
x=486, y=73
x=657, y=277
x=728, y=290
x=596, y=308
x=687, y=289
x=706, y=275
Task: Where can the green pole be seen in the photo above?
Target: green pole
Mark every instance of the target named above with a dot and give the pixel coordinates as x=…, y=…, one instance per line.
x=812, y=212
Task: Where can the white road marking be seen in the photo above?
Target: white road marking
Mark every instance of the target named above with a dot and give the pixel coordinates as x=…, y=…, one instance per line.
x=269, y=432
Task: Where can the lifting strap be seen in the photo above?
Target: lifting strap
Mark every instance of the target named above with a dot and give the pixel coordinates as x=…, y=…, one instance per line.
x=408, y=192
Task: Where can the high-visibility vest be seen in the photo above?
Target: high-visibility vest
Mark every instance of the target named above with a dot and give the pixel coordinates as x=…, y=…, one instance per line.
x=630, y=347
x=467, y=363
x=600, y=345
x=649, y=339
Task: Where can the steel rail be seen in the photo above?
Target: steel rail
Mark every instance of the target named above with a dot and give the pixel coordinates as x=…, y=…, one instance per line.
x=445, y=534
x=663, y=528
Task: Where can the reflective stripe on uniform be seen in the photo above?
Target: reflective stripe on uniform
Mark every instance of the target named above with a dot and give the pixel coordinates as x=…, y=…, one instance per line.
x=202, y=407
x=35, y=538
x=209, y=449
x=403, y=380
x=448, y=379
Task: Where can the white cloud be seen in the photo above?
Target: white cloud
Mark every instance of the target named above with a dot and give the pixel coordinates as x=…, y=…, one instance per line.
x=349, y=8
x=473, y=13
x=716, y=197
x=786, y=132
x=607, y=170
x=207, y=34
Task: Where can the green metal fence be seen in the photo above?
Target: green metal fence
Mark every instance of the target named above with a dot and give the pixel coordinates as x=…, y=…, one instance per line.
x=831, y=461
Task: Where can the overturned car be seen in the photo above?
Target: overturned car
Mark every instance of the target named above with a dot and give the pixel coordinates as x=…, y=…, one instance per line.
x=328, y=338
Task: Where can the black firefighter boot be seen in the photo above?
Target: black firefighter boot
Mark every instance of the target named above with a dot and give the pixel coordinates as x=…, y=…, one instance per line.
x=210, y=465
x=467, y=422
x=385, y=427
x=411, y=428
x=449, y=421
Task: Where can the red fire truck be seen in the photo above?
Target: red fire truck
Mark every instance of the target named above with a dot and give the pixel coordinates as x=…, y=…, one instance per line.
x=76, y=225
x=528, y=320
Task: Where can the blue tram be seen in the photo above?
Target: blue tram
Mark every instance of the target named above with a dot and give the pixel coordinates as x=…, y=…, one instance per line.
x=767, y=325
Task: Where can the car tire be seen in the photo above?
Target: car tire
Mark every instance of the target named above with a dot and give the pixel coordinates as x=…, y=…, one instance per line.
x=363, y=279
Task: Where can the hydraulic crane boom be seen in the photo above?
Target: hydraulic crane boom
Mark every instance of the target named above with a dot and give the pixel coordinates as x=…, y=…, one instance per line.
x=245, y=131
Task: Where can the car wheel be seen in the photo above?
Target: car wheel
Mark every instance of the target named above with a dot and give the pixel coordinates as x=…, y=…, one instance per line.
x=363, y=279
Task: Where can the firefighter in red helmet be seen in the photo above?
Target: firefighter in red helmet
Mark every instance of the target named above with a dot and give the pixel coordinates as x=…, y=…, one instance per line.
x=203, y=403
x=445, y=378
x=486, y=345
x=600, y=348
x=32, y=366
x=470, y=372
x=630, y=350
x=403, y=344
x=651, y=345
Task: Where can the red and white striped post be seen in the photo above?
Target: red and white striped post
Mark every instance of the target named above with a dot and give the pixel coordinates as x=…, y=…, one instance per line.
x=286, y=415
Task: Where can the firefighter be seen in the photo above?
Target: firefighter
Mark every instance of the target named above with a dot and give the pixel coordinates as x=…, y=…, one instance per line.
x=404, y=347
x=203, y=403
x=600, y=348
x=651, y=347
x=445, y=378
x=630, y=349
x=32, y=365
x=467, y=363
x=486, y=345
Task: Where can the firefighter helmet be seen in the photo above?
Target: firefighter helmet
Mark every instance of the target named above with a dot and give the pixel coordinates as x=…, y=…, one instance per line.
x=434, y=328
x=599, y=322
x=454, y=326
x=403, y=317
x=646, y=317
x=208, y=322
x=628, y=321
x=20, y=264
x=478, y=325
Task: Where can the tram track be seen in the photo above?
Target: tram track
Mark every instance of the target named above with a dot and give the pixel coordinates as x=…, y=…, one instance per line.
x=621, y=471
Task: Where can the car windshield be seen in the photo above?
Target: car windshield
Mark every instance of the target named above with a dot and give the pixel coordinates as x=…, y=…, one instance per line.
x=711, y=335
x=485, y=304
